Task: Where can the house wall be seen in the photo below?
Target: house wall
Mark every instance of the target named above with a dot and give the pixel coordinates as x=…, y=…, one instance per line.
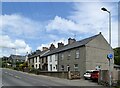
x=36, y=62
x=44, y=64
x=96, y=54
x=71, y=60
x=52, y=61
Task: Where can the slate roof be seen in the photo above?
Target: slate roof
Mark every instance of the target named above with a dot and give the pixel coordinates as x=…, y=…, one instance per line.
x=37, y=54
x=71, y=46
x=17, y=57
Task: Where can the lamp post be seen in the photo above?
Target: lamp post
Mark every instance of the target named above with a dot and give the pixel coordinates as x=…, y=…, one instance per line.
x=110, y=56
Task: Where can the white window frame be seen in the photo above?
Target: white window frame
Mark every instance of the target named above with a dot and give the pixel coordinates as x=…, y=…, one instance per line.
x=69, y=53
x=56, y=57
x=76, y=68
x=77, y=54
x=51, y=58
x=62, y=56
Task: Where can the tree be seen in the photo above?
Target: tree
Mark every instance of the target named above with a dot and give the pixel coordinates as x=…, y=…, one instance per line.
x=117, y=56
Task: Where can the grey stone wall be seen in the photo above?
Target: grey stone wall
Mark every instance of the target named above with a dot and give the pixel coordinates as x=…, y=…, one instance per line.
x=96, y=54
x=72, y=60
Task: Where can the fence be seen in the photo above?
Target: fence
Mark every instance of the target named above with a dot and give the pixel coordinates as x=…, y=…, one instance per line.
x=104, y=77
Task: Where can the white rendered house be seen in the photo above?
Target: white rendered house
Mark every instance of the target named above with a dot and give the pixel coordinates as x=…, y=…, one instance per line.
x=52, y=62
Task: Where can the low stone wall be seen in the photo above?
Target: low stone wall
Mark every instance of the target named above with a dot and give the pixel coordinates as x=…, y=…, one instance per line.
x=62, y=74
x=54, y=74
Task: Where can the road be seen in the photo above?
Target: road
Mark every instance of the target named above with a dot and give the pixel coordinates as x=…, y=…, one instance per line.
x=17, y=78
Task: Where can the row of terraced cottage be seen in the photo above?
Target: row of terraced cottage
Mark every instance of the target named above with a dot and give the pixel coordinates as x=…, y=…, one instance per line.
x=87, y=54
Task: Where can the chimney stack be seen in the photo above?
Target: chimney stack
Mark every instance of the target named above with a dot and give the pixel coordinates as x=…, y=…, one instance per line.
x=44, y=48
x=38, y=51
x=70, y=41
x=60, y=45
x=52, y=46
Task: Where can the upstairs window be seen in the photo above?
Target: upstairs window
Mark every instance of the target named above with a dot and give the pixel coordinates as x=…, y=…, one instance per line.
x=56, y=57
x=69, y=54
x=62, y=56
x=42, y=60
x=77, y=54
x=50, y=58
x=39, y=59
x=36, y=59
x=33, y=60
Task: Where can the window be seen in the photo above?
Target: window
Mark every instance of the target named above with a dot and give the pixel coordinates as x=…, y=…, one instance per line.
x=77, y=54
x=62, y=56
x=76, y=67
x=36, y=59
x=42, y=60
x=56, y=57
x=69, y=54
x=62, y=67
x=51, y=67
x=50, y=58
x=39, y=59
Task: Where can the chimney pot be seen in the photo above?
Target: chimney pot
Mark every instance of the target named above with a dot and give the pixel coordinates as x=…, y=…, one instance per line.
x=52, y=46
x=60, y=45
x=70, y=41
x=44, y=48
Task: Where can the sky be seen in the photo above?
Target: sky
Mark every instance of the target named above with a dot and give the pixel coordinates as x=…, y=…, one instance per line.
x=28, y=26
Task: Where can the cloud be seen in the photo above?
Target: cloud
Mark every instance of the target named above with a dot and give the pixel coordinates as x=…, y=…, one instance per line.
x=18, y=25
x=88, y=19
x=62, y=25
x=20, y=43
x=9, y=46
x=93, y=20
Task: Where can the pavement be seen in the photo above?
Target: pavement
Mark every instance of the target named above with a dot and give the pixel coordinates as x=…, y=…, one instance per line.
x=18, y=78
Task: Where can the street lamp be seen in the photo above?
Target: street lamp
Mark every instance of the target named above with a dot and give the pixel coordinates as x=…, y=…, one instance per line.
x=110, y=56
x=104, y=9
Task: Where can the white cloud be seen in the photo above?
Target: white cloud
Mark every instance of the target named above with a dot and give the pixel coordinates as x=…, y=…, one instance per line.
x=20, y=43
x=88, y=18
x=94, y=20
x=19, y=26
x=62, y=24
x=9, y=46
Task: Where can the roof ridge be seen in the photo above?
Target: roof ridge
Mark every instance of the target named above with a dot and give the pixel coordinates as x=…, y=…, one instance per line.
x=91, y=37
